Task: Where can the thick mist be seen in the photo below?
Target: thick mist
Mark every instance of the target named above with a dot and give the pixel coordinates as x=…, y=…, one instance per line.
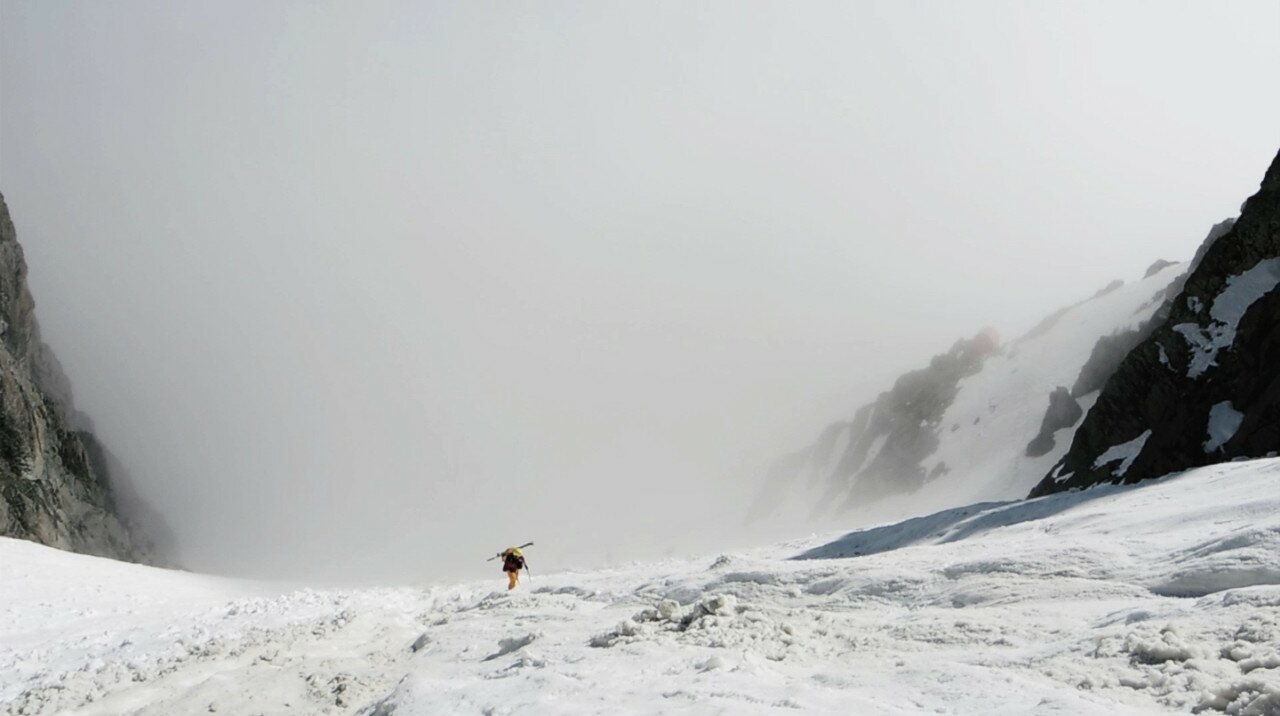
x=374, y=290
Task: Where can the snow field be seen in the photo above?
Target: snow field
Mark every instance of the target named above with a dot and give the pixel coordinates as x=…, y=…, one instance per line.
x=1157, y=598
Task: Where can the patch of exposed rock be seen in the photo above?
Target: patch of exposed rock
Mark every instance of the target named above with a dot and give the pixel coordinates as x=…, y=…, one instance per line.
x=1063, y=412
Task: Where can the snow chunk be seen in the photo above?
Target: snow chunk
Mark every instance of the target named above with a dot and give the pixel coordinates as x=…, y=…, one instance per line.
x=510, y=644
x=1126, y=453
x=669, y=609
x=1224, y=421
x=1241, y=292
x=669, y=616
x=1247, y=697
x=718, y=604
x=713, y=663
x=1167, y=646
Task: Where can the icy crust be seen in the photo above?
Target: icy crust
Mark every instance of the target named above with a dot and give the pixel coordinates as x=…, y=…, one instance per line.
x=1157, y=598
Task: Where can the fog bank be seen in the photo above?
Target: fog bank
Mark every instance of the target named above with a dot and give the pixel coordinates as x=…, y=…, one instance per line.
x=376, y=291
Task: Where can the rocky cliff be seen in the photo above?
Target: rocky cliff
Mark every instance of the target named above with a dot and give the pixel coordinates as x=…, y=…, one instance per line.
x=1203, y=386
x=53, y=486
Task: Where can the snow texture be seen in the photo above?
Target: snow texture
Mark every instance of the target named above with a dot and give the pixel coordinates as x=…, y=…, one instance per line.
x=1124, y=453
x=1157, y=598
x=1224, y=421
x=1241, y=292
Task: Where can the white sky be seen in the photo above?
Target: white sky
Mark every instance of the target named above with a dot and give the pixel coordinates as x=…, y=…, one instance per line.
x=377, y=289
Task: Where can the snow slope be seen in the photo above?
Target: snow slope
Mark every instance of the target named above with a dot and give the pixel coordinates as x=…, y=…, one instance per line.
x=1149, y=599
x=998, y=410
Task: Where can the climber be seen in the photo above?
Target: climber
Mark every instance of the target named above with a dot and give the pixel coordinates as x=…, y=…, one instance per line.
x=512, y=563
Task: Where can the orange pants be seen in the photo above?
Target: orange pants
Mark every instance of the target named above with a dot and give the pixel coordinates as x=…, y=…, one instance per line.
x=512, y=577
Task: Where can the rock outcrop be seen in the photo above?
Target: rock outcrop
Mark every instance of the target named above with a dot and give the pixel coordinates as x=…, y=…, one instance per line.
x=1064, y=410
x=1203, y=386
x=1107, y=354
x=50, y=490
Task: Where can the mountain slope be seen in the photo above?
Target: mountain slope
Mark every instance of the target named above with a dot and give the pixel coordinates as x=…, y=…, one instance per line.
x=982, y=422
x=1204, y=387
x=50, y=489
x=1158, y=598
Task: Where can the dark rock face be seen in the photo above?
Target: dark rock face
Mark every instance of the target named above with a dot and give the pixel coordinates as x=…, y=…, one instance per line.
x=1217, y=231
x=1063, y=412
x=50, y=490
x=1105, y=358
x=1204, y=386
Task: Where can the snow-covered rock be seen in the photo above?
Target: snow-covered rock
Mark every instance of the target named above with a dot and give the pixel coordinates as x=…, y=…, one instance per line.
x=1205, y=385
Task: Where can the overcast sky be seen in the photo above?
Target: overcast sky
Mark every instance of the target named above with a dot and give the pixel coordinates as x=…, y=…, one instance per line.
x=379, y=288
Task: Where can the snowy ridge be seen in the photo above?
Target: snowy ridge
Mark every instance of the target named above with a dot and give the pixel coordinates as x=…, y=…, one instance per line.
x=998, y=411
x=983, y=435
x=1157, y=598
